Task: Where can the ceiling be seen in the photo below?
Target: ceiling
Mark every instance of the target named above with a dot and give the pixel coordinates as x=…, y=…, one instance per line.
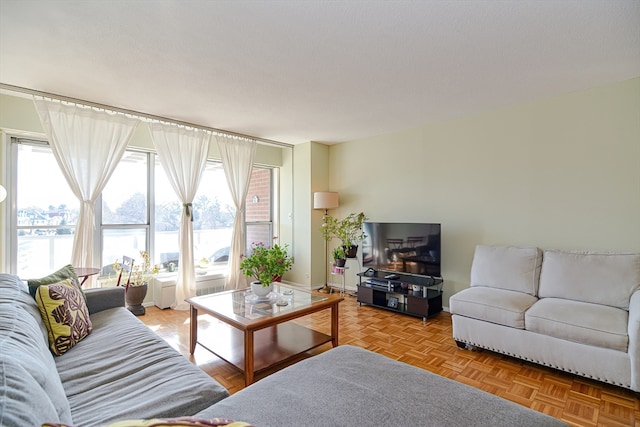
x=326, y=71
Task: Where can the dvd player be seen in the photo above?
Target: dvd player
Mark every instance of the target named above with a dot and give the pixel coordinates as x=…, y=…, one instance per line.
x=382, y=284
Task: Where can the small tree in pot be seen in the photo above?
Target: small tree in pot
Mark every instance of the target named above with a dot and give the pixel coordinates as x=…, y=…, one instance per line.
x=348, y=230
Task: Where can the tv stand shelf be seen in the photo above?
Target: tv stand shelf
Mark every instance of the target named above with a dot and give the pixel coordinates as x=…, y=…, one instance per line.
x=411, y=294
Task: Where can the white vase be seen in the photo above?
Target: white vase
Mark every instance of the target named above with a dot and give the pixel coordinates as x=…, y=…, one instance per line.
x=259, y=290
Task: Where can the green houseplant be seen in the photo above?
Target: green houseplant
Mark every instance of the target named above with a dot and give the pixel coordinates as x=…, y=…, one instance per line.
x=266, y=264
x=137, y=282
x=339, y=256
x=348, y=230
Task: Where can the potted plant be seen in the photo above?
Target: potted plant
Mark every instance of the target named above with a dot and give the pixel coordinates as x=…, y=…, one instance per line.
x=348, y=230
x=339, y=256
x=137, y=283
x=266, y=265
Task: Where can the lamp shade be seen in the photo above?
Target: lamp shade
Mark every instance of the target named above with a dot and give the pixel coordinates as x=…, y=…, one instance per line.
x=3, y=193
x=325, y=200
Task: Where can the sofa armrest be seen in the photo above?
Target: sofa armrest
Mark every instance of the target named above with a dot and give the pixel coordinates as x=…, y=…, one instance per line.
x=99, y=299
x=634, y=339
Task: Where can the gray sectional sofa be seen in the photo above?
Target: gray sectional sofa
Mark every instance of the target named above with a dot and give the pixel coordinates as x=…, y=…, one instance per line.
x=124, y=371
x=120, y=370
x=574, y=311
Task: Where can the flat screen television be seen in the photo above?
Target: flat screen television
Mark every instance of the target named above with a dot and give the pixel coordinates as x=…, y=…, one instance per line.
x=404, y=247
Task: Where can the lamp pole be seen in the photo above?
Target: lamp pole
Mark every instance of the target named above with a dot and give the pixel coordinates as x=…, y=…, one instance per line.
x=325, y=200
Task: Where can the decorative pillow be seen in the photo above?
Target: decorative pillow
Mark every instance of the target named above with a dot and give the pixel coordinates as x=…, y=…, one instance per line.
x=66, y=272
x=170, y=422
x=64, y=313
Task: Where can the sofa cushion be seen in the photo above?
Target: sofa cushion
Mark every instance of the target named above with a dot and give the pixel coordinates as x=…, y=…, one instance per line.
x=492, y=305
x=507, y=267
x=599, y=278
x=66, y=272
x=581, y=322
x=124, y=370
x=64, y=313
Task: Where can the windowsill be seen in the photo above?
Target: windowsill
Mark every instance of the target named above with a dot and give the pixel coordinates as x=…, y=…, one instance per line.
x=201, y=274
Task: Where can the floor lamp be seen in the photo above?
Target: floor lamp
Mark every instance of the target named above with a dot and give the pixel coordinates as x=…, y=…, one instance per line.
x=325, y=200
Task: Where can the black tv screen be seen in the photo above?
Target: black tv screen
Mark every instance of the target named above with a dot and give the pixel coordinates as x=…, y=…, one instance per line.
x=404, y=247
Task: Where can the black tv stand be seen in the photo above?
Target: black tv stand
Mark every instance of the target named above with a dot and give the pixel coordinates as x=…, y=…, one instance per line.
x=411, y=294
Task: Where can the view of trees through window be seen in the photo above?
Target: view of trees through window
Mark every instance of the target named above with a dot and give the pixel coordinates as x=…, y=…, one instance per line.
x=137, y=213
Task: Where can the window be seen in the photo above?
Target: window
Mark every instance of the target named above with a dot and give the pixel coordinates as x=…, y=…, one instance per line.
x=213, y=213
x=139, y=211
x=125, y=211
x=46, y=211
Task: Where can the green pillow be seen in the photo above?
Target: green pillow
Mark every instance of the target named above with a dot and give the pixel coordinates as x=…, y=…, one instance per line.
x=66, y=272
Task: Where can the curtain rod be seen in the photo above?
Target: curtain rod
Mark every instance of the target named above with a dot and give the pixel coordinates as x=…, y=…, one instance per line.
x=137, y=113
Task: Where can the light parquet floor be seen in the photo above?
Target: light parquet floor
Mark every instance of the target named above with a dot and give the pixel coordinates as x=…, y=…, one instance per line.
x=429, y=345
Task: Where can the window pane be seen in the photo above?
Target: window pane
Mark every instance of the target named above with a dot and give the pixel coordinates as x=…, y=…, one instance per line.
x=259, y=196
x=117, y=242
x=124, y=199
x=40, y=255
x=213, y=213
x=259, y=233
x=47, y=212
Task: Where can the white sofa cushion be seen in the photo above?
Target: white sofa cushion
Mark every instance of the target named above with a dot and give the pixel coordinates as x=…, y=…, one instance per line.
x=581, y=322
x=492, y=305
x=599, y=278
x=507, y=267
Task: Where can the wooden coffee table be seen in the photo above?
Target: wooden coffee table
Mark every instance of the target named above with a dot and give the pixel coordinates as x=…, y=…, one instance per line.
x=255, y=334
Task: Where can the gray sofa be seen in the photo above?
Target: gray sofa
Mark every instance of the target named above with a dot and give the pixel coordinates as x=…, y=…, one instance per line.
x=123, y=371
x=574, y=311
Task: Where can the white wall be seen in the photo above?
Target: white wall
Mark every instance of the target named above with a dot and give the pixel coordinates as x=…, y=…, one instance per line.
x=558, y=173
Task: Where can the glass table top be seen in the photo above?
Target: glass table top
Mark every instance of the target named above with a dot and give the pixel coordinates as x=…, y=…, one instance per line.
x=245, y=304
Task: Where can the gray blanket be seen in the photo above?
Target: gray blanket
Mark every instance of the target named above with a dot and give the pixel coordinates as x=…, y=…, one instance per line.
x=123, y=370
x=352, y=386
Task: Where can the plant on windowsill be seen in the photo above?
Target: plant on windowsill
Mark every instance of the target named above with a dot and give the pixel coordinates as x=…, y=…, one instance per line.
x=138, y=279
x=266, y=265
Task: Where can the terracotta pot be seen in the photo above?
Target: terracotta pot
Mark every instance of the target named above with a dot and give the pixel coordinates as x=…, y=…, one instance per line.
x=134, y=298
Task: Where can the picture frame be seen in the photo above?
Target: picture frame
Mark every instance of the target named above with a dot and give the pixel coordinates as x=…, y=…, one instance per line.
x=392, y=302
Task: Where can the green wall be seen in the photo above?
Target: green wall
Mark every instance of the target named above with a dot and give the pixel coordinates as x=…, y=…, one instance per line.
x=559, y=173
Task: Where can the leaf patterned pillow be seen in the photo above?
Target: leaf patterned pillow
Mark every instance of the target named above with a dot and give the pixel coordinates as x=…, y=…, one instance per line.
x=64, y=313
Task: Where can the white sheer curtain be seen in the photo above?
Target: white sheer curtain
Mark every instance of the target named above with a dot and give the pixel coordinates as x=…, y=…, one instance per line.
x=88, y=144
x=183, y=155
x=237, y=160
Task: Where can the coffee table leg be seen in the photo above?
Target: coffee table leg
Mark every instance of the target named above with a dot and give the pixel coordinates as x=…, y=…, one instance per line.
x=193, y=328
x=248, y=357
x=334, y=325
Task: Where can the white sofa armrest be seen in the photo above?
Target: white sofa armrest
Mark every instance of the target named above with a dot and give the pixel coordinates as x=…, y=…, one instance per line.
x=634, y=339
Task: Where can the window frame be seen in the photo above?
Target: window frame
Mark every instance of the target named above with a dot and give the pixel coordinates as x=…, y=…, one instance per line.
x=11, y=206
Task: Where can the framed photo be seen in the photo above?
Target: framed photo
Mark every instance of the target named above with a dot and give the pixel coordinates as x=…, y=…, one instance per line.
x=392, y=302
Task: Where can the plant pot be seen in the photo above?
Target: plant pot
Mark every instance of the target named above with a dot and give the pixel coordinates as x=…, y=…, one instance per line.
x=340, y=262
x=134, y=298
x=259, y=290
x=351, y=251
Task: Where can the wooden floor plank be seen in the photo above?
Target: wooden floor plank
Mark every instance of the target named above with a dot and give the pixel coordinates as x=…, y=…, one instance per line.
x=429, y=345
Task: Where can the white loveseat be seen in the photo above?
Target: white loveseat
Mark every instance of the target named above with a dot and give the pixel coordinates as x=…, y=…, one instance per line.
x=574, y=311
